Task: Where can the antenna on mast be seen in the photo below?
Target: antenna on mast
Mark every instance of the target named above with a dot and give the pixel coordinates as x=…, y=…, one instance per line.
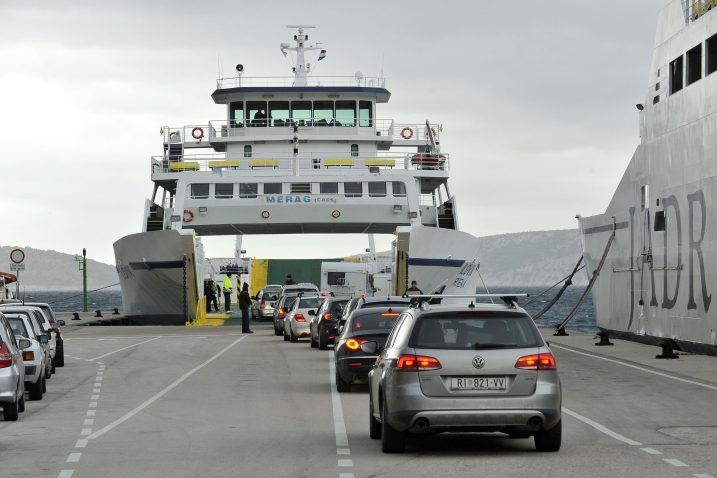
x=301, y=70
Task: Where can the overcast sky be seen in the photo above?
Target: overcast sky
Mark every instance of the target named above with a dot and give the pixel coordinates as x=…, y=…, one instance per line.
x=537, y=99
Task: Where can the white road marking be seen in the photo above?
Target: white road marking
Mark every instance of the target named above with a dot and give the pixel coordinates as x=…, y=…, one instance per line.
x=702, y=475
x=81, y=443
x=99, y=379
x=346, y=475
x=98, y=384
x=93, y=404
x=74, y=457
x=91, y=413
x=124, y=348
x=164, y=391
x=601, y=428
x=344, y=463
x=86, y=432
x=95, y=390
x=674, y=462
x=343, y=451
x=642, y=369
x=95, y=397
x=339, y=424
x=89, y=422
x=65, y=474
x=651, y=451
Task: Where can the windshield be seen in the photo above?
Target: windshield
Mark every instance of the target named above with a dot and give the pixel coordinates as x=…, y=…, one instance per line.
x=18, y=326
x=383, y=321
x=310, y=303
x=475, y=333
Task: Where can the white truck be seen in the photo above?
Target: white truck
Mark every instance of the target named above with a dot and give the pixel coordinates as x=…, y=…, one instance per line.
x=346, y=279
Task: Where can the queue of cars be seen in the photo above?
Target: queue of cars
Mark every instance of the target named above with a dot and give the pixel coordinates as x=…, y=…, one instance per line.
x=432, y=368
x=31, y=348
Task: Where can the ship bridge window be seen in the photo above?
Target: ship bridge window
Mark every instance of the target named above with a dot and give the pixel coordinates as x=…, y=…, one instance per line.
x=694, y=64
x=376, y=189
x=236, y=114
x=329, y=188
x=353, y=190
x=223, y=191
x=272, y=188
x=676, y=75
x=399, y=188
x=711, y=59
x=365, y=113
x=323, y=113
x=247, y=151
x=345, y=113
x=301, y=112
x=248, y=190
x=200, y=191
x=279, y=113
x=256, y=113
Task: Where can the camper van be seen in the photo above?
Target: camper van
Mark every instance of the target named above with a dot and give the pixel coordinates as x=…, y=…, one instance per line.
x=346, y=279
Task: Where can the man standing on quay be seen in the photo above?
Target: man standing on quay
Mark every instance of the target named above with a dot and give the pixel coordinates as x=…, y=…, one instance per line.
x=227, y=288
x=244, y=304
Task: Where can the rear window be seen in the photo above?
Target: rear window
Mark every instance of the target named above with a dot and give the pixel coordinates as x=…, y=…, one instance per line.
x=374, y=322
x=310, y=303
x=268, y=296
x=337, y=306
x=475, y=333
x=18, y=326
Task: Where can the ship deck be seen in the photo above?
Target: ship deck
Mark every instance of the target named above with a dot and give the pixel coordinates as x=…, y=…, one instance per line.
x=209, y=401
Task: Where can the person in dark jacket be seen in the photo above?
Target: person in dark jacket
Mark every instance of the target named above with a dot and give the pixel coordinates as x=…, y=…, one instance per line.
x=244, y=304
x=289, y=280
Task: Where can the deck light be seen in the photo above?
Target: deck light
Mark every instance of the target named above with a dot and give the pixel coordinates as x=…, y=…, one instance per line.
x=413, y=215
x=373, y=169
x=176, y=218
x=397, y=208
x=203, y=210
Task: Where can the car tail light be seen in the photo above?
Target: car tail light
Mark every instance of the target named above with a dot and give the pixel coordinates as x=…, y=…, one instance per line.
x=262, y=304
x=354, y=344
x=299, y=318
x=328, y=316
x=281, y=313
x=5, y=356
x=390, y=314
x=536, y=362
x=417, y=363
x=28, y=355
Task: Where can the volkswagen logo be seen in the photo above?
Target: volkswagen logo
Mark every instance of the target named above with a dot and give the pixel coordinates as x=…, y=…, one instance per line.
x=478, y=361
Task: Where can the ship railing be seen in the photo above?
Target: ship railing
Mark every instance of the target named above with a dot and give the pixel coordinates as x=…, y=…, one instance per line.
x=694, y=9
x=290, y=81
x=248, y=192
x=385, y=128
x=195, y=133
x=280, y=163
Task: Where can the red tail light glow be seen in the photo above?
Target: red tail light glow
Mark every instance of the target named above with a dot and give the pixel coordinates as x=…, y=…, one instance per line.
x=299, y=318
x=536, y=362
x=5, y=356
x=417, y=363
x=262, y=304
x=328, y=316
x=354, y=344
x=281, y=313
x=28, y=355
x=390, y=314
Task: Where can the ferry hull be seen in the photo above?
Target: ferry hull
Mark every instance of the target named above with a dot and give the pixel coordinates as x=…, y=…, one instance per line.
x=154, y=277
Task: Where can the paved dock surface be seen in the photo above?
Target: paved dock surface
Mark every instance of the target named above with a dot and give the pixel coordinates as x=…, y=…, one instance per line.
x=211, y=402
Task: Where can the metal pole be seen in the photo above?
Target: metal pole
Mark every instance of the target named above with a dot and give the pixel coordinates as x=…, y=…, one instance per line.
x=84, y=280
x=17, y=285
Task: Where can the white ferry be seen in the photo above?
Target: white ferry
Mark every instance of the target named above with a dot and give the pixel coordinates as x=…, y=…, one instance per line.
x=292, y=155
x=658, y=236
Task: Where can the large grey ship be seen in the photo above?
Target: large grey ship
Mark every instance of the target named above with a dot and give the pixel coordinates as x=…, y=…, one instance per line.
x=658, y=234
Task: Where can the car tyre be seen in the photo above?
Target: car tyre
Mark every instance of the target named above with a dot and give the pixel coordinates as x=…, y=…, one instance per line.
x=52, y=367
x=36, y=390
x=322, y=341
x=392, y=440
x=286, y=337
x=60, y=355
x=277, y=332
x=10, y=411
x=293, y=336
x=314, y=344
x=374, y=426
x=342, y=386
x=44, y=385
x=549, y=440
x=21, y=402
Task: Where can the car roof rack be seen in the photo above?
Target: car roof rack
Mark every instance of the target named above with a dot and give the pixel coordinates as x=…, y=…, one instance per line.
x=511, y=300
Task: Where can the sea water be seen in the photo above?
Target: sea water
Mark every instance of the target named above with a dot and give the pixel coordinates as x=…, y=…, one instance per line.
x=584, y=320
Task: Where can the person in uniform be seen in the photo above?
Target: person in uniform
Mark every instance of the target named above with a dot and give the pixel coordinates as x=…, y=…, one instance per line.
x=212, y=297
x=244, y=304
x=227, y=288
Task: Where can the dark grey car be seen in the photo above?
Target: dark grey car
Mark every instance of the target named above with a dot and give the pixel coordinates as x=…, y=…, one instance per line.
x=478, y=367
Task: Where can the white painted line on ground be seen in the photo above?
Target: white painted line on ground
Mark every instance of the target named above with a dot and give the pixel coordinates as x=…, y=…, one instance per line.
x=74, y=457
x=93, y=404
x=343, y=451
x=98, y=384
x=675, y=462
x=81, y=443
x=99, y=379
x=346, y=462
x=164, y=391
x=601, y=428
x=89, y=422
x=651, y=451
x=95, y=397
x=91, y=413
x=124, y=348
x=346, y=475
x=95, y=390
x=702, y=475
x=86, y=432
x=642, y=369
x=339, y=424
x=101, y=363
x=65, y=474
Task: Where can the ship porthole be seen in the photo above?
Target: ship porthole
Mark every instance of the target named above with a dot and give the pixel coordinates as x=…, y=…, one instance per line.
x=265, y=214
x=335, y=213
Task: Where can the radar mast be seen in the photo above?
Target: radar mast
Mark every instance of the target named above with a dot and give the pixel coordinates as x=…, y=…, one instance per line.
x=301, y=70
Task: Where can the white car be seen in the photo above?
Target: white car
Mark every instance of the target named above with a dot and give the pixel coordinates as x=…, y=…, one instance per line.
x=33, y=356
x=296, y=321
x=37, y=315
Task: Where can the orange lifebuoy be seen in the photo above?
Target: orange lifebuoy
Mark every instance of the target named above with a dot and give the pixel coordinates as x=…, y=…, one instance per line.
x=188, y=216
x=407, y=133
x=197, y=136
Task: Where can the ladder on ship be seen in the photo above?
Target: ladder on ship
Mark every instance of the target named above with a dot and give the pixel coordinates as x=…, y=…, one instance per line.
x=446, y=216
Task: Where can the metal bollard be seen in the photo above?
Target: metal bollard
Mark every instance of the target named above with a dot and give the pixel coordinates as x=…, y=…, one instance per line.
x=116, y=312
x=75, y=316
x=98, y=313
x=604, y=339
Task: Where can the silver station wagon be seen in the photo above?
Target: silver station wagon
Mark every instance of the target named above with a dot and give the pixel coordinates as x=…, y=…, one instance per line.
x=465, y=368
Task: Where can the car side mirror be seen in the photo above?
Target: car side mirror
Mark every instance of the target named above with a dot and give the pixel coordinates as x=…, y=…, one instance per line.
x=369, y=347
x=61, y=323
x=43, y=339
x=312, y=312
x=23, y=344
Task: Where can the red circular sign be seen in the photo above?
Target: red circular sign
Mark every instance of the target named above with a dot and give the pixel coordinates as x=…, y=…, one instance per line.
x=17, y=256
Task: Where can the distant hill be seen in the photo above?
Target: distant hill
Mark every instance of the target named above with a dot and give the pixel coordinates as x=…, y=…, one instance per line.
x=530, y=258
x=525, y=258
x=52, y=270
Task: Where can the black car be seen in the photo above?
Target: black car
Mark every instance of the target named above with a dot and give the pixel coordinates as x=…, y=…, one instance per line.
x=323, y=326
x=372, y=324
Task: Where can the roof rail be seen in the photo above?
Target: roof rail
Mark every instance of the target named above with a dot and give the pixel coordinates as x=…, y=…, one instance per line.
x=510, y=300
